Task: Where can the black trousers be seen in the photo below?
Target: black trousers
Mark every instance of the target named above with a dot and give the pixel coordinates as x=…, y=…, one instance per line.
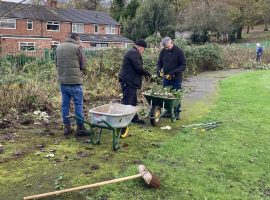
x=129, y=95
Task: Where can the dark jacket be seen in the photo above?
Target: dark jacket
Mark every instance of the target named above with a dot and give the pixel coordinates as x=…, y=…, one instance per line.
x=259, y=50
x=172, y=62
x=132, y=70
x=70, y=62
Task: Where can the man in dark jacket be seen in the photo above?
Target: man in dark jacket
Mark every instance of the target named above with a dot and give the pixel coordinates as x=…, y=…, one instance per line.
x=130, y=76
x=70, y=63
x=171, y=65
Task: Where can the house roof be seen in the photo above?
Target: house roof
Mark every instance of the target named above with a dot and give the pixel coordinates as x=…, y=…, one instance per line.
x=104, y=38
x=44, y=13
x=86, y=16
x=27, y=11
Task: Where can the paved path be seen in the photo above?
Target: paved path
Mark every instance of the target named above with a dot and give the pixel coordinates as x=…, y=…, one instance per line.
x=202, y=91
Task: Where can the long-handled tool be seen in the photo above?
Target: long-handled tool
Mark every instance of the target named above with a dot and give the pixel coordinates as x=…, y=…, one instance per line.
x=148, y=177
x=202, y=124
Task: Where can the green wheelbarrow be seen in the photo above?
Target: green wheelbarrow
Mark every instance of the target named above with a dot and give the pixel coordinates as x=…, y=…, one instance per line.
x=159, y=106
x=114, y=117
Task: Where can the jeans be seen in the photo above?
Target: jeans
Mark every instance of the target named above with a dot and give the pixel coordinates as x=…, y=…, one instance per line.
x=76, y=93
x=176, y=84
x=258, y=57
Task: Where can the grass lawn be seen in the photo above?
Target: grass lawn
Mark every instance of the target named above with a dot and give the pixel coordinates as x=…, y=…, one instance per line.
x=228, y=162
x=231, y=161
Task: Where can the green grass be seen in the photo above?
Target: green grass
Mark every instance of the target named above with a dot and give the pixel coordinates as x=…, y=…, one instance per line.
x=229, y=162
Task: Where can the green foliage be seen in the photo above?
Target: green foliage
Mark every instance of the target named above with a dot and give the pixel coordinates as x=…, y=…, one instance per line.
x=200, y=37
x=18, y=60
x=166, y=92
x=102, y=72
x=153, y=40
x=117, y=8
x=58, y=182
x=153, y=17
x=130, y=10
x=252, y=64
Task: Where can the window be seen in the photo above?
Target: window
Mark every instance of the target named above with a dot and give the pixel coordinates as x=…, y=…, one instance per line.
x=96, y=29
x=8, y=23
x=101, y=45
x=29, y=25
x=27, y=46
x=53, y=26
x=110, y=29
x=54, y=44
x=77, y=28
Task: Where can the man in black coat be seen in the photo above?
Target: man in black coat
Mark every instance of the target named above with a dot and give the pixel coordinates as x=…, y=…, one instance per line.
x=130, y=76
x=171, y=65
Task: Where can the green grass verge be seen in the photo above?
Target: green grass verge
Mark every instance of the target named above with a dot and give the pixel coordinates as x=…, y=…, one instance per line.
x=229, y=162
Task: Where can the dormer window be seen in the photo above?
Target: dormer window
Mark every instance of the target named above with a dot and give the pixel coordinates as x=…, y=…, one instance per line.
x=96, y=28
x=29, y=25
x=110, y=29
x=77, y=28
x=53, y=26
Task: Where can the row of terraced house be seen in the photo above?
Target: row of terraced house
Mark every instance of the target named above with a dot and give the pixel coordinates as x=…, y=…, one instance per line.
x=26, y=27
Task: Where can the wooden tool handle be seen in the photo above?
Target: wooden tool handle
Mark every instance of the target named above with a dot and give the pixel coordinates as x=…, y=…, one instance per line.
x=82, y=187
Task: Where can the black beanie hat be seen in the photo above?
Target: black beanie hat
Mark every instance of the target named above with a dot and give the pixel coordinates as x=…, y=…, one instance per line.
x=141, y=43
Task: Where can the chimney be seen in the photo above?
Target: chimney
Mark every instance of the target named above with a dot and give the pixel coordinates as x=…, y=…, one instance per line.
x=52, y=4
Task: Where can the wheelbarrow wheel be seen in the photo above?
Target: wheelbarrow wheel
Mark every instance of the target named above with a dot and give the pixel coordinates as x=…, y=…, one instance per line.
x=124, y=132
x=155, y=112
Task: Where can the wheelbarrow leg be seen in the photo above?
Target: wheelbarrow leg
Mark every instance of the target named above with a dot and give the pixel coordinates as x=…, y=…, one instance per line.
x=97, y=141
x=173, y=115
x=116, y=138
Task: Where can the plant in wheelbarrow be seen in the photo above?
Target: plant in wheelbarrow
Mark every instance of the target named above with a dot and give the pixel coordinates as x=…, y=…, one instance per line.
x=162, y=101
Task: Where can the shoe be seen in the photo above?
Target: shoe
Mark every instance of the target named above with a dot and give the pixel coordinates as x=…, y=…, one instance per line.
x=67, y=130
x=167, y=115
x=138, y=121
x=82, y=131
x=177, y=116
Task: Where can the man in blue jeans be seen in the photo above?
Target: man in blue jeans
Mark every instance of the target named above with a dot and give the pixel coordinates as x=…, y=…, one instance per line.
x=171, y=64
x=70, y=64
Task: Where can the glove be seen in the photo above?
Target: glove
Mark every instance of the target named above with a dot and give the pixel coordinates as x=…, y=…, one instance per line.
x=168, y=77
x=160, y=73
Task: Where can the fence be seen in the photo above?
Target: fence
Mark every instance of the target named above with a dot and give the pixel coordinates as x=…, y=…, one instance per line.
x=20, y=58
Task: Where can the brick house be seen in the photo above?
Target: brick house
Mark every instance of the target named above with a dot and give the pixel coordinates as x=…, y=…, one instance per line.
x=28, y=27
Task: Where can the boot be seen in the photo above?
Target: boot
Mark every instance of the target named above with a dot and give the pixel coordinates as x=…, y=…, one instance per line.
x=67, y=130
x=137, y=120
x=82, y=131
